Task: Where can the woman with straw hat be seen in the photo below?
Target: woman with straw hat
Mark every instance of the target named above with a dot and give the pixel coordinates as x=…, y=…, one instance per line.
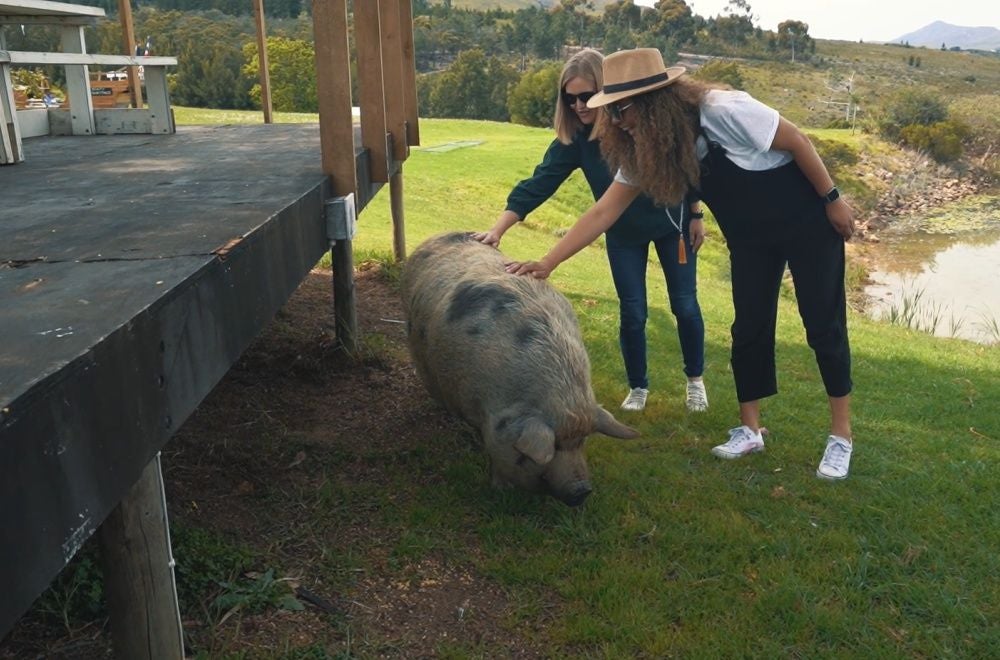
x=674, y=231
x=774, y=201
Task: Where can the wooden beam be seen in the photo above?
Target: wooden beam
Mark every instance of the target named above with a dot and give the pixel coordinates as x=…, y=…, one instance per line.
x=265, y=75
x=392, y=77
x=46, y=58
x=139, y=573
x=128, y=40
x=367, y=40
x=333, y=89
x=409, y=88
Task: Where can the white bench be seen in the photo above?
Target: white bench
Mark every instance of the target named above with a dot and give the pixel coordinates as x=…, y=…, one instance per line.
x=81, y=117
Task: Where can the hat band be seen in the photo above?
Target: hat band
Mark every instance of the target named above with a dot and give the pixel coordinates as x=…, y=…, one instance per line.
x=635, y=84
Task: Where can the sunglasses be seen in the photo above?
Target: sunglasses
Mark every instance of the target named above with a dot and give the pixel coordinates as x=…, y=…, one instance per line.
x=616, y=111
x=571, y=99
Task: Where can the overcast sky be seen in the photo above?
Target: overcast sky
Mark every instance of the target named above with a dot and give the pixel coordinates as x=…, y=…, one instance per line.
x=851, y=20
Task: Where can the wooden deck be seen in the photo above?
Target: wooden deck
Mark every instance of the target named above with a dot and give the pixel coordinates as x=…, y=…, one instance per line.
x=134, y=270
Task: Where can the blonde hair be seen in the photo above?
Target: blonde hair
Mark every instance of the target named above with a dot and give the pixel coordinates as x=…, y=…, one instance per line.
x=589, y=65
x=659, y=156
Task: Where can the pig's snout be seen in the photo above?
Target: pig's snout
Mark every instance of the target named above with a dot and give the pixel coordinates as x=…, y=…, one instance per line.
x=576, y=493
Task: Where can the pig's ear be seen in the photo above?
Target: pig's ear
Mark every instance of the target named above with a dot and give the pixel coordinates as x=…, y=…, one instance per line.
x=537, y=441
x=608, y=425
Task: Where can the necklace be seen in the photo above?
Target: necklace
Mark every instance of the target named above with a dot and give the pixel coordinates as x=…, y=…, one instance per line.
x=679, y=225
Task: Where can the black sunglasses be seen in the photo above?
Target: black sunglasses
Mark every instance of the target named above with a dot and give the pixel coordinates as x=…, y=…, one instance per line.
x=615, y=110
x=571, y=99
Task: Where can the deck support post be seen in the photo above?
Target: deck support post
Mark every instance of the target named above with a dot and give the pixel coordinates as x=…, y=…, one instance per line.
x=139, y=573
x=341, y=221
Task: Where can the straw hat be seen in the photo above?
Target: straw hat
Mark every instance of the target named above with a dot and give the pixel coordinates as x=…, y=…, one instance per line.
x=632, y=72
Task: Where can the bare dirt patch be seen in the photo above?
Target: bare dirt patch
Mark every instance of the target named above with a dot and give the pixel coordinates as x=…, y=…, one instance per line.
x=301, y=453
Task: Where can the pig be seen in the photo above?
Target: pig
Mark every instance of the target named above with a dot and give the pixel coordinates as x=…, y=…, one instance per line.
x=504, y=353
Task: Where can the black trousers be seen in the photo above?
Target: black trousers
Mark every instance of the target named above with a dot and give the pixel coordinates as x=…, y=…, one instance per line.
x=814, y=253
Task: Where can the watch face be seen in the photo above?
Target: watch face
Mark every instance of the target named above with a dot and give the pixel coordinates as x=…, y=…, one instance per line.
x=832, y=196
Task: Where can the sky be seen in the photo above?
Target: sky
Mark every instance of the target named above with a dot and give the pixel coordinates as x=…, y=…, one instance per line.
x=868, y=20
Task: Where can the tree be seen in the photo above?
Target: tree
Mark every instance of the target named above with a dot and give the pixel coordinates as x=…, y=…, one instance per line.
x=293, y=74
x=473, y=87
x=795, y=34
x=533, y=98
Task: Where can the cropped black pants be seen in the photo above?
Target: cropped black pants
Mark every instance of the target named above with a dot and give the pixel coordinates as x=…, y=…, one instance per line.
x=815, y=258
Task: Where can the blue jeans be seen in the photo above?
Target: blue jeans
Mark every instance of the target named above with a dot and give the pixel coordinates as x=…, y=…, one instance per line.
x=628, y=269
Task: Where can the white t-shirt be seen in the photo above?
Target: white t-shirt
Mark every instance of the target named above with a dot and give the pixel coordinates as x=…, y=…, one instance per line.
x=744, y=127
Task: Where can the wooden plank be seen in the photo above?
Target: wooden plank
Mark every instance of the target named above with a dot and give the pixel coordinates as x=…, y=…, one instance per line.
x=139, y=573
x=128, y=41
x=42, y=58
x=373, y=129
x=409, y=88
x=333, y=87
x=392, y=77
x=8, y=19
x=265, y=75
x=49, y=8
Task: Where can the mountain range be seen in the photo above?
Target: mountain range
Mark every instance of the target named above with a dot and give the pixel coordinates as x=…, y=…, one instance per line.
x=952, y=36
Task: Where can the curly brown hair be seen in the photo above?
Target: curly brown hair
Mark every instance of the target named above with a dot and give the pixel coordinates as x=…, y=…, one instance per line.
x=659, y=156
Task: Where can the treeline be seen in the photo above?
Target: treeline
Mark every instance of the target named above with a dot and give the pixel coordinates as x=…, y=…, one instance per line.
x=217, y=59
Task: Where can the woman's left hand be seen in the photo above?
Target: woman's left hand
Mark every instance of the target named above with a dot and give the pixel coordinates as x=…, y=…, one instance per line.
x=841, y=216
x=696, y=234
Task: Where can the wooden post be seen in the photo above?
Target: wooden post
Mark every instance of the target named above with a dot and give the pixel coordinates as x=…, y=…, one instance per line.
x=128, y=37
x=409, y=89
x=396, y=209
x=333, y=87
x=344, y=305
x=336, y=132
x=367, y=37
x=139, y=574
x=265, y=75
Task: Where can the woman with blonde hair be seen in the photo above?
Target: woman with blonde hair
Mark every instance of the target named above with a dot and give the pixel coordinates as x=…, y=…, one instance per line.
x=675, y=231
x=774, y=201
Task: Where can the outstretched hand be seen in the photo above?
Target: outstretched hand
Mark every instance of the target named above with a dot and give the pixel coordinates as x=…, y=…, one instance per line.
x=491, y=237
x=537, y=269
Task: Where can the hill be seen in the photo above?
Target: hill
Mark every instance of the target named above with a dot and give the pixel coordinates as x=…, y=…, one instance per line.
x=966, y=38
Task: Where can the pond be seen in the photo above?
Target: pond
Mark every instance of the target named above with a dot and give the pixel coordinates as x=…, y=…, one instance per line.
x=940, y=273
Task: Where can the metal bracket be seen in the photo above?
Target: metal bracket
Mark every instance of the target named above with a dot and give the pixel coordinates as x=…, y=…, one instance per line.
x=341, y=218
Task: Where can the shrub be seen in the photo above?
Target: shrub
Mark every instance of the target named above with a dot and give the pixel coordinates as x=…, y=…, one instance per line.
x=837, y=156
x=942, y=140
x=720, y=71
x=911, y=106
x=533, y=99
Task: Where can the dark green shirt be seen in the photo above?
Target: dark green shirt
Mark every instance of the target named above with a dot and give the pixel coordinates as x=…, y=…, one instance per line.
x=641, y=222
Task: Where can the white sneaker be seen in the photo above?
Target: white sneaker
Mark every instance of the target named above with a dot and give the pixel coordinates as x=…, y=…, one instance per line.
x=636, y=399
x=742, y=441
x=697, y=397
x=836, y=461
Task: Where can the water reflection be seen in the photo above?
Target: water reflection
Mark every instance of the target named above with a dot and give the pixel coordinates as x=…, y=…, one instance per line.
x=945, y=284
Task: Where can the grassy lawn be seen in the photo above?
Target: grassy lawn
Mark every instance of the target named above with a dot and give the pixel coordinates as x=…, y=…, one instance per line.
x=678, y=553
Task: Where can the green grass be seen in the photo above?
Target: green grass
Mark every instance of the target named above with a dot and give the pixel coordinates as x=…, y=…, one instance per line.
x=677, y=553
